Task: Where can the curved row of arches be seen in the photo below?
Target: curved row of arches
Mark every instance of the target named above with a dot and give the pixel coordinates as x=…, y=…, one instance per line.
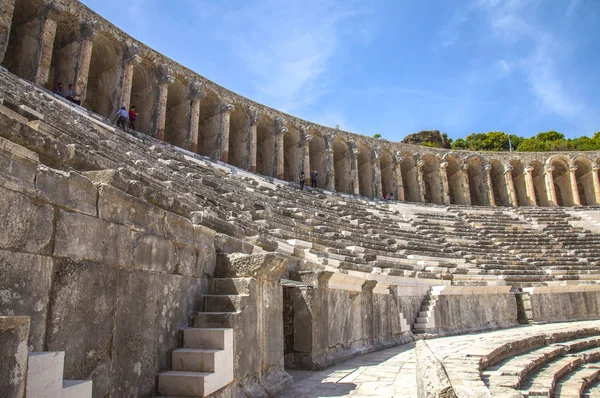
x=47, y=45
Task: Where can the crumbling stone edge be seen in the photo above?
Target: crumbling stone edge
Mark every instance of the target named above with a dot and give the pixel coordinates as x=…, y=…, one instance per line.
x=432, y=379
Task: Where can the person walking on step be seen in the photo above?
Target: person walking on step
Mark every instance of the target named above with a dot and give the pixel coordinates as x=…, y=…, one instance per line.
x=132, y=117
x=313, y=178
x=302, y=180
x=72, y=95
x=122, y=117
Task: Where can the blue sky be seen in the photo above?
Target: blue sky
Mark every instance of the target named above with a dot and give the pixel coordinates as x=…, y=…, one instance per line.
x=392, y=67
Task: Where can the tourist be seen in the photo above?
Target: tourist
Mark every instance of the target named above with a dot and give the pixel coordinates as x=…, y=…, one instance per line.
x=132, y=117
x=71, y=95
x=122, y=117
x=313, y=178
x=57, y=89
x=302, y=180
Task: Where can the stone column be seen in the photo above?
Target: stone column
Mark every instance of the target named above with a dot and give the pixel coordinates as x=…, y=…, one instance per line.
x=127, y=80
x=550, y=191
x=488, y=172
x=420, y=181
x=596, y=181
x=465, y=182
x=6, y=14
x=223, y=133
x=398, y=182
x=329, y=166
x=510, y=186
x=444, y=183
x=354, y=167
x=165, y=78
x=574, y=188
x=530, y=186
x=306, y=138
x=280, y=149
x=251, y=166
x=47, y=37
x=84, y=59
x=376, y=177
x=196, y=95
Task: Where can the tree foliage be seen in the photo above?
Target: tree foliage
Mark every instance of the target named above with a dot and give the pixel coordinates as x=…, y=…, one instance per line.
x=377, y=135
x=543, y=142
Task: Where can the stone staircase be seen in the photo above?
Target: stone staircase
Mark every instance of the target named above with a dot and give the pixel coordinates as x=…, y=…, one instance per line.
x=45, y=378
x=425, y=322
x=204, y=364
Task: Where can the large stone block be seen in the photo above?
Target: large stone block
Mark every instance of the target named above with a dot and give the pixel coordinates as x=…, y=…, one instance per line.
x=204, y=240
x=134, y=344
x=178, y=228
x=81, y=320
x=87, y=238
x=24, y=288
x=70, y=190
x=24, y=224
x=18, y=167
x=272, y=334
x=118, y=207
x=262, y=266
x=13, y=351
x=153, y=253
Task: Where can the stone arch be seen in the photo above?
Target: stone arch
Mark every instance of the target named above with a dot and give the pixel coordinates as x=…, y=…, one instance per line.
x=585, y=180
x=239, y=125
x=410, y=179
x=456, y=186
x=365, y=171
x=265, y=147
x=318, y=156
x=143, y=94
x=477, y=180
x=432, y=179
x=562, y=180
x=177, y=114
x=65, y=54
x=24, y=42
x=342, y=165
x=386, y=164
x=208, y=124
x=103, y=79
x=538, y=175
x=292, y=155
x=499, y=186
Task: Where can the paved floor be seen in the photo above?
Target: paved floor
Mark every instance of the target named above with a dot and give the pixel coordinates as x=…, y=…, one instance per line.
x=386, y=373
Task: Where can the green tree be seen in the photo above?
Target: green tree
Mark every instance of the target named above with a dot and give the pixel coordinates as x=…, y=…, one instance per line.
x=460, y=144
x=377, y=135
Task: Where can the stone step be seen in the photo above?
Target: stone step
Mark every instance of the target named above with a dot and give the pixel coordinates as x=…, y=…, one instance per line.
x=45, y=374
x=195, y=359
x=185, y=384
x=76, y=388
x=573, y=385
x=225, y=303
x=230, y=286
x=213, y=319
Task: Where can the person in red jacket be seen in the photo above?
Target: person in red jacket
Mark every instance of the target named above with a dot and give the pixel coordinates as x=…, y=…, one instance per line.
x=132, y=117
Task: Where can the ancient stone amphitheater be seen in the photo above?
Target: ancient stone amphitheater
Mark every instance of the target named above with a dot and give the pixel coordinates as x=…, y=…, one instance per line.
x=183, y=260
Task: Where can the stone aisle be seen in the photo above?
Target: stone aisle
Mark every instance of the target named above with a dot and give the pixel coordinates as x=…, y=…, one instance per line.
x=386, y=373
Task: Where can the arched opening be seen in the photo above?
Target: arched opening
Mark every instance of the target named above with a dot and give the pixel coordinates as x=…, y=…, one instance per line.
x=342, y=166
x=143, y=94
x=24, y=45
x=539, y=184
x=585, y=181
x=208, y=125
x=456, y=186
x=518, y=177
x=477, y=181
x=67, y=44
x=292, y=154
x=562, y=180
x=317, y=157
x=365, y=171
x=386, y=163
x=265, y=147
x=432, y=179
x=103, y=79
x=239, y=126
x=501, y=194
x=410, y=179
x=177, y=121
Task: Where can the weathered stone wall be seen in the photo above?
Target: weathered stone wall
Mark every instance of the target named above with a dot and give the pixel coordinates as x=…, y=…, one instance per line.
x=104, y=276
x=562, y=303
x=461, y=309
x=329, y=325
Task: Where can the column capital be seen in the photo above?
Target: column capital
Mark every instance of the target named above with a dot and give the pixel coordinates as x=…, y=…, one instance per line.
x=280, y=126
x=443, y=165
x=596, y=167
x=573, y=169
x=464, y=167
x=420, y=163
x=487, y=167
x=376, y=152
x=52, y=11
x=87, y=30
x=398, y=157
x=164, y=75
x=529, y=169
x=133, y=60
x=549, y=169
x=196, y=91
x=508, y=168
x=227, y=108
